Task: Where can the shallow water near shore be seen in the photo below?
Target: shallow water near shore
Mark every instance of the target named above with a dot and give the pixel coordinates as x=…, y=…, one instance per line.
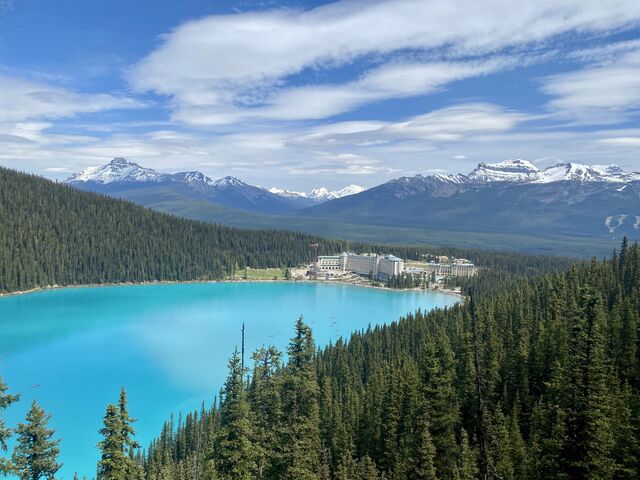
x=72, y=349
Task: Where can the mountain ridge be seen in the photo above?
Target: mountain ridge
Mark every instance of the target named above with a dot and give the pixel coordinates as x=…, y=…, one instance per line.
x=510, y=197
x=121, y=175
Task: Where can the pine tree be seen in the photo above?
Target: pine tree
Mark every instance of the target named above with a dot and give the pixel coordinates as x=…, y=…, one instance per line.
x=441, y=398
x=366, y=469
x=113, y=464
x=301, y=439
x=264, y=398
x=467, y=459
x=422, y=465
x=36, y=453
x=129, y=445
x=548, y=430
x=589, y=437
x=235, y=452
x=518, y=448
x=6, y=400
x=500, y=464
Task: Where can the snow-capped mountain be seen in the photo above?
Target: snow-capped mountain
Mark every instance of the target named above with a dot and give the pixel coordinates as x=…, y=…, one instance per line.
x=126, y=179
x=319, y=195
x=513, y=196
x=193, y=178
x=507, y=171
x=577, y=172
x=283, y=192
x=119, y=170
x=521, y=171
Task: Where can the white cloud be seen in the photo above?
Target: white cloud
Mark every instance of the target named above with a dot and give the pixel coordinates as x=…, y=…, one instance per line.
x=396, y=80
x=606, y=91
x=622, y=141
x=448, y=124
x=22, y=100
x=228, y=68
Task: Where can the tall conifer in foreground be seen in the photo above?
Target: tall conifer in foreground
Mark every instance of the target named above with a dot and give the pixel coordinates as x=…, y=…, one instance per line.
x=113, y=461
x=235, y=451
x=133, y=469
x=300, y=394
x=264, y=398
x=117, y=460
x=36, y=453
x=6, y=400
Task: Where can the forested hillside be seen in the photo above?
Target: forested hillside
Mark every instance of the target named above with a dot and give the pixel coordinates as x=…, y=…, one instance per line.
x=538, y=382
x=54, y=234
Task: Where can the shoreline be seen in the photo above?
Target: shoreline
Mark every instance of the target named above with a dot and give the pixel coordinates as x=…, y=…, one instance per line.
x=186, y=282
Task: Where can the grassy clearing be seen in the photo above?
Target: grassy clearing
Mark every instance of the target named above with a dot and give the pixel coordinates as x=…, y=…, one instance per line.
x=260, y=274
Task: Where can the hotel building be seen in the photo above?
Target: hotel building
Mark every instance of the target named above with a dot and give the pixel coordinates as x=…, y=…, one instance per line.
x=377, y=266
x=455, y=269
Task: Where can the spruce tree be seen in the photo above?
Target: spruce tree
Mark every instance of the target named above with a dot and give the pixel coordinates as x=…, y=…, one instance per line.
x=235, y=453
x=113, y=464
x=117, y=461
x=421, y=466
x=36, y=452
x=467, y=459
x=301, y=436
x=441, y=398
x=6, y=400
x=129, y=445
x=264, y=398
x=587, y=452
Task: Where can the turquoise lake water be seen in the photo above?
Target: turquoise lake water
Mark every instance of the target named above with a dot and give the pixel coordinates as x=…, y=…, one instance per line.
x=168, y=345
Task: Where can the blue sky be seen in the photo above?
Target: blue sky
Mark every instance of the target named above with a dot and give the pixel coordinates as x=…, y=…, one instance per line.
x=299, y=94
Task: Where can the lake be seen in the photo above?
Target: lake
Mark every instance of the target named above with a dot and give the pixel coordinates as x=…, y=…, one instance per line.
x=167, y=344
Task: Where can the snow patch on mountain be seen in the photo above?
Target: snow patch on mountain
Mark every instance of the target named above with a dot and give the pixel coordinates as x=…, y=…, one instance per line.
x=229, y=182
x=321, y=194
x=614, y=222
x=193, y=178
x=578, y=172
x=522, y=171
x=508, y=171
x=283, y=192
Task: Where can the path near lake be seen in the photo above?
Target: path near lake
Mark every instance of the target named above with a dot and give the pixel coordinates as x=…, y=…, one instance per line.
x=168, y=344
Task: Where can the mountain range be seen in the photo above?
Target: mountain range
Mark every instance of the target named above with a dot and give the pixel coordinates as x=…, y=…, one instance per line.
x=126, y=179
x=512, y=197
x=512, y=200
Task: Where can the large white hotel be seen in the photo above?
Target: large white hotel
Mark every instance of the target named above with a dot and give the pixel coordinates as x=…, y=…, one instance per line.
x=377, y=266
x=454, y=269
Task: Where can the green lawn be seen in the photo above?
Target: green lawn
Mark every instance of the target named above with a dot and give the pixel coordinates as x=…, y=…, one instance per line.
x=260, y=274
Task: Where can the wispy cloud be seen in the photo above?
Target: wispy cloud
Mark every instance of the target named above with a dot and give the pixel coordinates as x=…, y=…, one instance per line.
x=22, y=100
x=448, y=124
x=247, y=64
x=607, y=90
